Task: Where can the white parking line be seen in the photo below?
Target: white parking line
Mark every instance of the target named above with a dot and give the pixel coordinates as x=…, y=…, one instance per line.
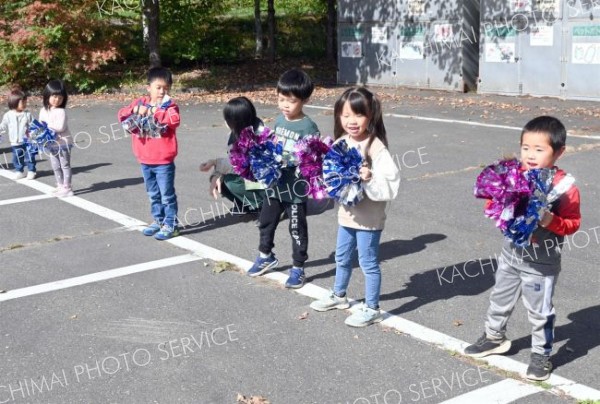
x=24, y=199
x=460, y=122
x=503, y=392
x=199, y=250
x=97, y=277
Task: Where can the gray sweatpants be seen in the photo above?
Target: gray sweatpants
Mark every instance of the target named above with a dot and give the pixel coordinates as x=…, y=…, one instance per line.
x=536, y=292
x=60, y=160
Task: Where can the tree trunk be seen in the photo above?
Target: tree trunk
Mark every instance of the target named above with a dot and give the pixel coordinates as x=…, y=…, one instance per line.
x=258, y=34
x=331, y=44
x=271, y=28
x=150, y=20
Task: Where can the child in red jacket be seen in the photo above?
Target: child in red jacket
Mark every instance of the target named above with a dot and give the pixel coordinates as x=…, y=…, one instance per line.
x=152, y=121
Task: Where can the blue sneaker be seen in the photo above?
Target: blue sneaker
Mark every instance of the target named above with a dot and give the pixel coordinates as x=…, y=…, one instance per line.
x=262, y=265
x=166, y=232
x=151, y=230
x=296, y=279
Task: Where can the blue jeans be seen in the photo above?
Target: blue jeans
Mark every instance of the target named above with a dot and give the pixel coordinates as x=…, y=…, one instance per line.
x=160, y=186
x=368, y=257
x=21, y=157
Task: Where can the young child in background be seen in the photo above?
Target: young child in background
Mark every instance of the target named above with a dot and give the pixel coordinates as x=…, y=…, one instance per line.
x=359, y=121
x=53, y=112
x=247, y=196
x=531, y=272
x=16, y=123
x=156, y=155
x=294, y=89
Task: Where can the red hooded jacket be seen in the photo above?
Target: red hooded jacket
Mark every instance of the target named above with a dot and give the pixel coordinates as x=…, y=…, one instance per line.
x=155, y=151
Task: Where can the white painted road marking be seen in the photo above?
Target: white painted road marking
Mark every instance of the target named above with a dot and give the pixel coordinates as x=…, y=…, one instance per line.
x=24, y=199
x=503, y=392
x=417, y=331
x=460, y=122
x=97, y=277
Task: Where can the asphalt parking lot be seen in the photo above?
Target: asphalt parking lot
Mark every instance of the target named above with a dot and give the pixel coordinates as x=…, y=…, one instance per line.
x=94, y=312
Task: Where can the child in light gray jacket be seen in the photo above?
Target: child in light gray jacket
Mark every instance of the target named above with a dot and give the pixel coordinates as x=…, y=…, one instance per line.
x=16, y=123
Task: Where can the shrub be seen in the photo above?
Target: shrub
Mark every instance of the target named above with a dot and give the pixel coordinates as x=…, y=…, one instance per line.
x=59, y=39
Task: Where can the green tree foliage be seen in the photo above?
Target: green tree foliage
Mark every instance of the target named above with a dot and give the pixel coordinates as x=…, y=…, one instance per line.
x=297, y=7
x=58, y=39
x=91, y=42
x=185, y=29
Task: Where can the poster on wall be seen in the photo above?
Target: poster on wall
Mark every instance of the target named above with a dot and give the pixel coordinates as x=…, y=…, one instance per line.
x=586, y=44
x=500, y=52
x=520, y=6
x=586, y=53
x=442, y=33
x=411, y=50
x=541, y=35
x=416, y=6
x=351, y=49
x=379, y=35
x=550, y=7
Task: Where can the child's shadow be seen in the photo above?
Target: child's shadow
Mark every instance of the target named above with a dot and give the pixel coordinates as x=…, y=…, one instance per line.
x=387, y=251
x=100, y=186
x=582, y=335
x=217, y=219
x=219, y=216
x=467, y=278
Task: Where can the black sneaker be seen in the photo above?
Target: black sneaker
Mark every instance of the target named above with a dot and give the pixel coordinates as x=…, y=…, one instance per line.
x=539, y=367
x=487, y=346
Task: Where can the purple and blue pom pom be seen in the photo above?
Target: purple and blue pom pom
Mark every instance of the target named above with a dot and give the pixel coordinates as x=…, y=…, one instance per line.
x=341, y=174
x=39, y=136
x=518, y=198
x=310, y=152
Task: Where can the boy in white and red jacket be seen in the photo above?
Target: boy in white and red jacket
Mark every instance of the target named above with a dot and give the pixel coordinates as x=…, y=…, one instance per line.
x=531, y=272
x=156, y=150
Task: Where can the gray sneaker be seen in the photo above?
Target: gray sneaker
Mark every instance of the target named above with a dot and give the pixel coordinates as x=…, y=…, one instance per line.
x=330, y=302
x=364, y=316
x=488, y=346
x=539, y=367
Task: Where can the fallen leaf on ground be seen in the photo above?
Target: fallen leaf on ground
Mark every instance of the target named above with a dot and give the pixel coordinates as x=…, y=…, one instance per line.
x=457, y=323
x=303, y=316
x=221, y=266
x=2, y=291
x=251, y=400
x=73, y=317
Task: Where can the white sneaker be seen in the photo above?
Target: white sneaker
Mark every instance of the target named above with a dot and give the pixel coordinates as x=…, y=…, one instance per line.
x=57, y=189
x=31, y=175
x=17, y=175
x=330, y=302
x=364, y=316
x=64, y=192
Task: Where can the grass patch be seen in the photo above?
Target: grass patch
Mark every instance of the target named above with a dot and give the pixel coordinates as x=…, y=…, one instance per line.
x=543, y=385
